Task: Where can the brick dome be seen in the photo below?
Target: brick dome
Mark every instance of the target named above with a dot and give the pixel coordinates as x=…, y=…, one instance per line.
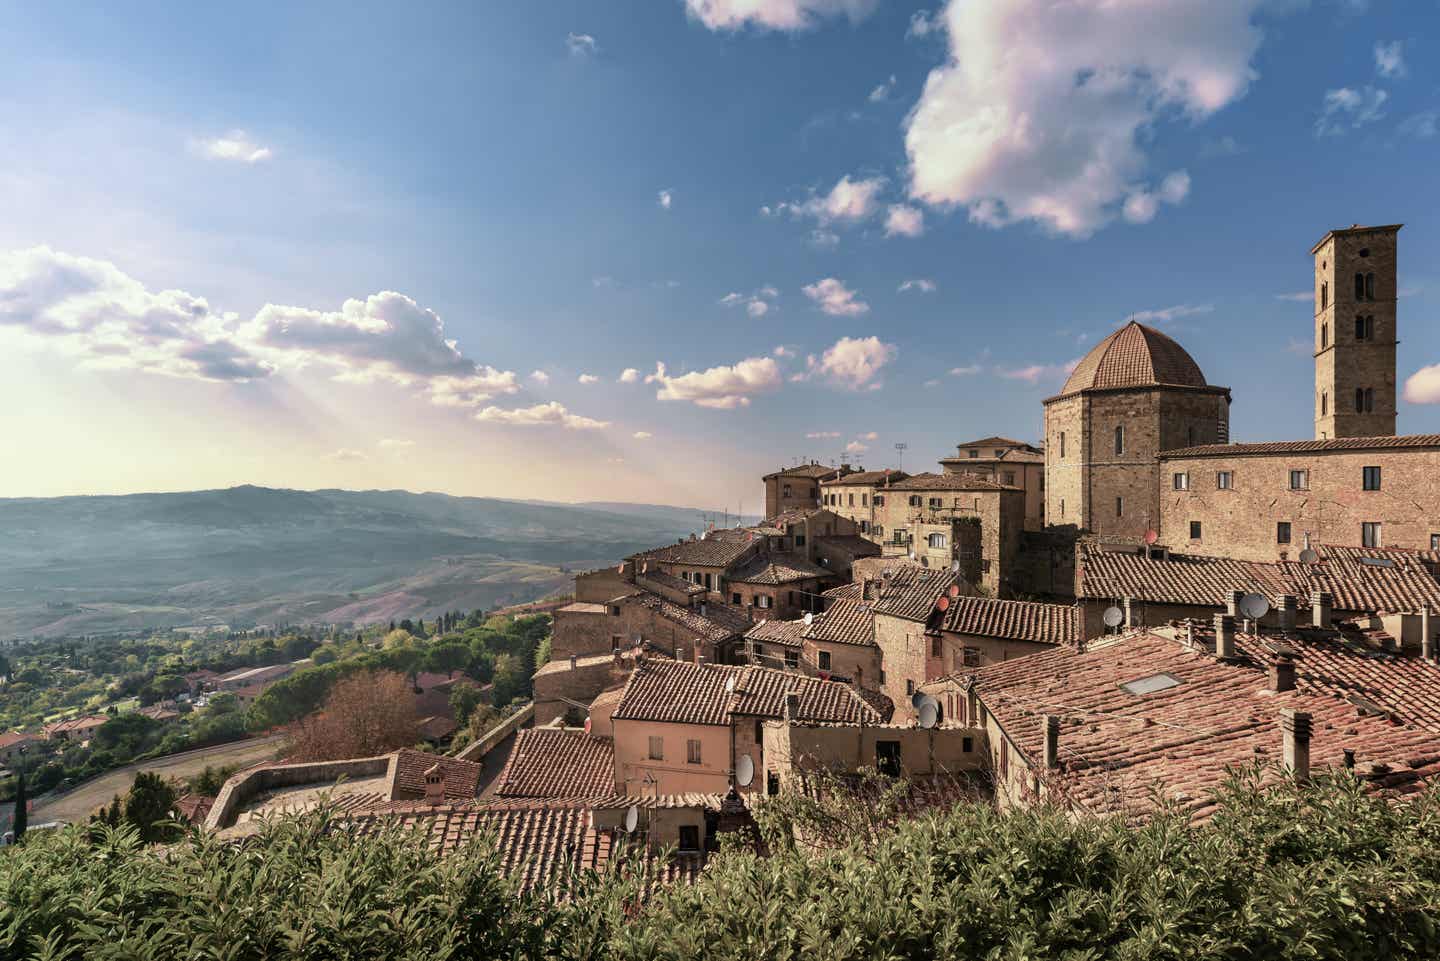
x=1135, y=356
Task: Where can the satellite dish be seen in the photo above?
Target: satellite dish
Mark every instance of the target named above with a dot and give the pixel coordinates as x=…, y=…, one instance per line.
x=1113, y=616
x=730, y=684
x=620, y=569
x=954, y=590
x=809, y=618
x=917, y=699
x=744, y=771
x=1308, y=556
x=587, y=725
x=645, y=568
x=632, y=818
x=943, y=603
x=929, y=714
x=1151, y=537
x=955, y=565
x=1254, y=606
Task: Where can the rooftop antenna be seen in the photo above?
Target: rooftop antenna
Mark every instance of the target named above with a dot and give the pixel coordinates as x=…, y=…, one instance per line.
x=900, y=456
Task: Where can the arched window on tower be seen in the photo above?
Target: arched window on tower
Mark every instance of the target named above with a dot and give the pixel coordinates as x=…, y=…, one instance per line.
x=1369, y=400
x=1369, y=326
x=1369, y=286
x=1359, y=286
x=1324, y=336
x=1324, y=403
x=1120, y=439
x=1359, y=400
x=1324, y=295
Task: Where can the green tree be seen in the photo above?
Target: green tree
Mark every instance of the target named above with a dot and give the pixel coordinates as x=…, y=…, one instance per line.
x=150, y=805
x=22, y=815
x=447, y=657
x=463, y=701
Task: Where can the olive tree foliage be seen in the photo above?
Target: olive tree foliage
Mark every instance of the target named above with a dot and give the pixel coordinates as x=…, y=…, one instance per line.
x=1277, y=872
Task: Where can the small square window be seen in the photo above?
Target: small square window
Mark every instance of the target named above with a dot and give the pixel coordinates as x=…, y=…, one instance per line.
x=689, y=837
x=1224, y=480
x=692, y=751
x=1282, y=532
x=1299, y=480
x=823, y=659
x=1370, y=534
x=970, y=657
x=657, y=749
x=1181, y=481
x=967, y=744
x=1371, y=478
x=1194, y=530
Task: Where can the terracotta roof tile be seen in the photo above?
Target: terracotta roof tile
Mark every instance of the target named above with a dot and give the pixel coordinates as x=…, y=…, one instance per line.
x=784, y=633
x=950, y=482
x=1134, y=356
x=777, y=569
x=462, y=778
x=911, y=591
x=683, y=693
x=853, y=591
x=852, y=544
x=712, y=551
x=1014, y=620
x=867, y=478
x=1307, y=446
x=555, y=762
x=720, y=622
x=843, y=622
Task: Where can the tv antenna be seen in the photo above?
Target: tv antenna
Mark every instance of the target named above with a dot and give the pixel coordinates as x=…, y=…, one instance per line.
x=900, y=455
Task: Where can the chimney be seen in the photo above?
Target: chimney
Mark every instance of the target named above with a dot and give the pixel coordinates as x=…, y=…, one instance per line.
x=1282, y=675
x=792, y=706
x=1232, y=603
x=1288, y=606
x=1427, y=634
x=1224, y=636
x=434, y=786
x=699, y=658
x=1322, y=607
x=1050, y=725
x=1129, y=614
x=1295, y=732
x=574, y=661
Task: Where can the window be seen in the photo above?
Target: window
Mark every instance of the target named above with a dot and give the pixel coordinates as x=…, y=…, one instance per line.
x=735, y=598
x=852, y=501
x=1369, y=286
x=1299, y=480
x=999, y=453
x=614, y=610
x=864, y=527
x=1372, y=478
x=973, y=453
x=1182, y=482
x=1152, y=684
x=772, y=783
x=887, y=757
x=1435, y=542
x=689, y=837
x=915, y=500
x=614, y=642
x=967, y=744
x=879, y=500
x=1224, y=480
x=1120, y=439
x=1194, y=530
x=785, y=491
x=823, y=660
x=759, y=731
x=1008, y=477
x=935, y=647
x=1062, y=507
x=799, y=540
x=935, y=503
x=1282, y=532
x=657, y=749
x=1370, y=534
x=1324, y=336
x=1360, y=286
x=910, y=686
x=1324, y=403
x=1324, y=295
x=1359, y=327
x=937, y=541
x=692, y=751
x=792, y=659
x=864, y=500
x=764, y=601
x=1359, y=400
x=1062, y=443
x=1119, y=507
x=878, y=530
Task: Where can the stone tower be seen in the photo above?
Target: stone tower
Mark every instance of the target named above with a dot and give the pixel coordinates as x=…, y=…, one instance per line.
x=1355, y=333
x=1135, y=394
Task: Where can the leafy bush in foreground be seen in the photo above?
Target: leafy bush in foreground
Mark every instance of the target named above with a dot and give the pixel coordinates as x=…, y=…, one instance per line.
x=1278, y=873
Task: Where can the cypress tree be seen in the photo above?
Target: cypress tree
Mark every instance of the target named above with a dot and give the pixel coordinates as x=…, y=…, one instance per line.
x=21, y=815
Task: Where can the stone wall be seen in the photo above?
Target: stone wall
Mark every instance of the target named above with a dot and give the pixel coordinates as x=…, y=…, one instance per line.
x=860, y=663
x=245, y=786
x=1242, y=522
x=558, y=683
x=906, y=655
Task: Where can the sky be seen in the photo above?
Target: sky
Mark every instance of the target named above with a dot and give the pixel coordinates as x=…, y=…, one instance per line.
x=649, y=250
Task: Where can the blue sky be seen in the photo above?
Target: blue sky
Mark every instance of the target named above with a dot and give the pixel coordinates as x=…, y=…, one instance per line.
x=738, y=190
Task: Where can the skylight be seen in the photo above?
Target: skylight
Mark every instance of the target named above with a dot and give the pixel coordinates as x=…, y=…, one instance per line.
x=1150, y=685
x=1377, y=561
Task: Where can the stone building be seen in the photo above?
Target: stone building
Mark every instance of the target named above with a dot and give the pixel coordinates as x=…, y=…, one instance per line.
x=798, y=487
x=940, y=520
x=1013, y=463
x=1355, y=332
x=860, y=497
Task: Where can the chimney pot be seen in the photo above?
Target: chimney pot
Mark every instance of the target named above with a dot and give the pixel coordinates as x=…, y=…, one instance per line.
x=574, y=661
x=1295, y=735
x=1282, y=675
x=1050, y=725
x=792, y=706
x=1288, y=606
x=1224, y=636
x=1129, y=614
x=1322, y=608
x=1232, y=603
x=434, y=786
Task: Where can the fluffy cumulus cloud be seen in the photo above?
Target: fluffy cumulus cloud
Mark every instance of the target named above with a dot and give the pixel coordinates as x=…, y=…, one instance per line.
x=919, y=285
x=581, y=44
x=903, y=220
x=850, y=201
x=834, y=298
x=235, y=147
x=629, y=376
x=540, y=377
x=552, y=414
x=922, y=25
x=725, y=387
x=1143, y=204
x=852, y=363
x=774, y=14
x=756, y=304
x=1423, y=386
x=588, y=379
x=855, y=447
x=1348, y=109
x=1390, y=59
x=93, y=311
x=665, y=199
x=1039, y=110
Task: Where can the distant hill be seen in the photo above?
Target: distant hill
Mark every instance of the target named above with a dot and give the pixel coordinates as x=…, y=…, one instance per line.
x=258, y=555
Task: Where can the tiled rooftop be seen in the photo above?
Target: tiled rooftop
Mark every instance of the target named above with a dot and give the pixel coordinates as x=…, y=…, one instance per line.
x=720, y=622
x=1013, y=620
x=950, y=482
x=774, y=631
x=777, y=569
x=1307, y=446
x=910, y=592
x=670, y=581
x=1115, y=746
x=684, y=693
x=817, y=471
x=701, y=552
x=866, y=478
x=558, y=763
x=844, y=622
x=462, y=778
x=852, y=591
x=1134, y=356
x=852, y=544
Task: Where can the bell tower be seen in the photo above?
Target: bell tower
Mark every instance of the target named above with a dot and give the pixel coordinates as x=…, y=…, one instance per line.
x=1355, y=332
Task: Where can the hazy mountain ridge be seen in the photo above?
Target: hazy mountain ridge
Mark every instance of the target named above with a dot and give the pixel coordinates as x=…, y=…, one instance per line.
x=247, y=554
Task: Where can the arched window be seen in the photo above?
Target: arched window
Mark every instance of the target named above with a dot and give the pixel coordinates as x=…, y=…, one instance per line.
x=1359, y=400
x=1120, y=439
x=1359, y=286
x=1369, y=286
x=1369, y=400
x=1324, y=403
x=1370, y=327
x=1192, y=435
x=1324, y=295
x=1359, y=327
x=937, y=540
x=1324, y=336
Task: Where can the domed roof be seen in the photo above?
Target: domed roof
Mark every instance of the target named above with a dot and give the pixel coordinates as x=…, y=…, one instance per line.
x=1135, y=356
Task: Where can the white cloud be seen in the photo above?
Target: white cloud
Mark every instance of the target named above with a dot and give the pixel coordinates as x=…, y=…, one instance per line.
x=932, y=383
x=588, y=379
x=823, y=435
x=1347, y=109
x=235, y=146
x=665, y=198
x=642, y=435
x=1299, y=295
x=783, y=351
x=882, y=92
x=966, y=371
x=834, y=298
x=1143, y=204
x=1390, y=59
x=1035, y=373
x=346, y=454
x=757, y=304
x=1039, y=111
x=871, y=435
x=824, y=239
x=853, y=363
x=919, y=283
x=539, y=415
x=855, y=447
x=1166, y=314
x=629, y=376
x=540, y=377
x=394, y=444
x=1423, y=386
x=922, y=24
x=774, y=14
x=1423, y=125
x=903, y=220
x=850, y=201
x=724, y=387
x=581, y=44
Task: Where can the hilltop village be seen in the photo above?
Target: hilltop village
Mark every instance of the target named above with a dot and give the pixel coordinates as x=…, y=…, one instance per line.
x=1111, y=620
